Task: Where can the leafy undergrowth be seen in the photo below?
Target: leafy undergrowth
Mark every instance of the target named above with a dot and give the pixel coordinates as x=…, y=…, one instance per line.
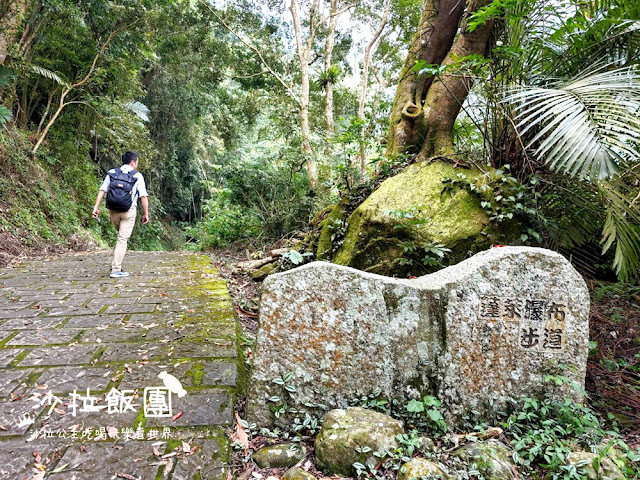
x=46, y=203
x=39, y=211
x=541, y=433
x=613, y=369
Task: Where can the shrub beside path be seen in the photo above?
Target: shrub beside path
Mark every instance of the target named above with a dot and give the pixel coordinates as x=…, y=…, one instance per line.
x=65, y=326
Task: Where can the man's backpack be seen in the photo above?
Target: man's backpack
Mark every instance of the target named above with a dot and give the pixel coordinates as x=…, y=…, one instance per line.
x=120, y=194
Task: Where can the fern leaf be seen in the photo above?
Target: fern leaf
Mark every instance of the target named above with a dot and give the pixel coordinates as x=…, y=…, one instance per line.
x=6, y=76
x=622, y=229
x=5, y=115
x=140, y=109
x=587, y=127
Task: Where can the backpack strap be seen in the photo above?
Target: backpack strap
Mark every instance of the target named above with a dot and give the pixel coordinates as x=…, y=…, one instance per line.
x=118, y=171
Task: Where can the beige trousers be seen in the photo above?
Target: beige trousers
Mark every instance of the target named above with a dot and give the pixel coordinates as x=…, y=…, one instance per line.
x=124, y=222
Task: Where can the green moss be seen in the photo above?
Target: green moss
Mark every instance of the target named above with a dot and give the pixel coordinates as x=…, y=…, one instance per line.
x=325, y=243
x=214, y=309
x=346, y=253
x=264, y=271
x=242, y=376
x=452, y=218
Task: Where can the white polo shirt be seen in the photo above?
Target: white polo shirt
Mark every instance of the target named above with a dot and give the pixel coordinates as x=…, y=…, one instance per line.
x=139, y=189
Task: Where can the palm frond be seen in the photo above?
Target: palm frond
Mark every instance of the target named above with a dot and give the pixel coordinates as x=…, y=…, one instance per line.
x=46, y=73
x=587, y=127
x=140, y=109
x=622, y=229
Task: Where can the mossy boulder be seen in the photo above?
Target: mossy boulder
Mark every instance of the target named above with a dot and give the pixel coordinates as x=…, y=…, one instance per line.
x=353, y=435
x=584, y=462
x=416, y=468
x=264, y=271
x=492, y=458
x=426, y=444
x=298, y=474
x=373, y=240
x=279, y=456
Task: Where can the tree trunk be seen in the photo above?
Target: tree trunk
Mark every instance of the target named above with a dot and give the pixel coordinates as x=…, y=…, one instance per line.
x=448, y=92
x=11, y=12
x=369, y=51
x=304, y=49
x=422, y=120
x=328, y=53
x=431, y=43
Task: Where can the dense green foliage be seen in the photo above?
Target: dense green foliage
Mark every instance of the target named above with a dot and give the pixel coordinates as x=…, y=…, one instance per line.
x=210, y=97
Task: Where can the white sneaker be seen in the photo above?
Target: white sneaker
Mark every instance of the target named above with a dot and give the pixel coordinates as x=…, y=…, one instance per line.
x=119, y=274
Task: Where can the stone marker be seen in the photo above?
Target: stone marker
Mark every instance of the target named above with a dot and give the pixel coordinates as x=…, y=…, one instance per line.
x=473, y=334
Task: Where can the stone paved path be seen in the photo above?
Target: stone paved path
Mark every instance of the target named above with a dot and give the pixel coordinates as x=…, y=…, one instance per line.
x=65, y=326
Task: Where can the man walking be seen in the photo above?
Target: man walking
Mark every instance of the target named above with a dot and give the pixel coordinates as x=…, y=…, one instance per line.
x=123, y=186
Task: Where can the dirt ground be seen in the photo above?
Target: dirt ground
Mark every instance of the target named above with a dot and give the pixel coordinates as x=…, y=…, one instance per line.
x=613, y=369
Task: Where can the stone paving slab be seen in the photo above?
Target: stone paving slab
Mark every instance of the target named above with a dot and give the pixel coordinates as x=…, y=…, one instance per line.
x=80, y=356
x=85, y=321
x=19, y=458
x=60, y=355
x=31, y=323
x=105, y=460
x=66, y=379
x=44, y=337
x=12, y=379
x=7, y=356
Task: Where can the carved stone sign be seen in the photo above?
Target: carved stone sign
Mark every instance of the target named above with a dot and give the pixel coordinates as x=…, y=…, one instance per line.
x=475, y=334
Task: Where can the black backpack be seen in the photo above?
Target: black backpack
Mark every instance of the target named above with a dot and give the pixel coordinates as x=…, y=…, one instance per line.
x=120, y=194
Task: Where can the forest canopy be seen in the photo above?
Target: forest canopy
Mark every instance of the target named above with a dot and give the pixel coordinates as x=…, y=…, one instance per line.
x=252, y=121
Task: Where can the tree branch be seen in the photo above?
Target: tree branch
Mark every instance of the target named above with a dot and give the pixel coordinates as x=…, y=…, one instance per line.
x=254, y=49
x=368, y=53
x=68, y=89
x=98, y=55
x=252, y=75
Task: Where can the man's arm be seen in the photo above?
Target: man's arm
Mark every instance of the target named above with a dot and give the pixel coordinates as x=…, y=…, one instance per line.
x=104, y=188
x=96, y=207
x=145, y=210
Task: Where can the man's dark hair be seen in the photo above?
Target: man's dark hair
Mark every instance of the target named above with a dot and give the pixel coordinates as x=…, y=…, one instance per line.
x=128, y=157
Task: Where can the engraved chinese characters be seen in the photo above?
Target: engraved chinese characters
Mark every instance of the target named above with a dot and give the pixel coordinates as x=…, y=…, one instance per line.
x=476, y=335
x=541, y=322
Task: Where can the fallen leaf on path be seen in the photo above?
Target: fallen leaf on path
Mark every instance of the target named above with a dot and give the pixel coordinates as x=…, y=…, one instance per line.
x=127, y=476
x=241, y=311
x=167, y=468
x=240, y=433
x=177, y=416
x=60, y=468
